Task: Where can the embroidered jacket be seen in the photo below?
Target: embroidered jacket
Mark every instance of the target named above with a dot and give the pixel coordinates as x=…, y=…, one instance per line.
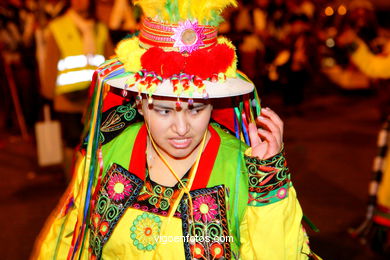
x=240, y=208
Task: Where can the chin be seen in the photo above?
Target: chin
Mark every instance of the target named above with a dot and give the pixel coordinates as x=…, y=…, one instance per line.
x=180, y=155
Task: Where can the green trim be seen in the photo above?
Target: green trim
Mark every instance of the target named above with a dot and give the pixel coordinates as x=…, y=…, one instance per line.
x=120, y=148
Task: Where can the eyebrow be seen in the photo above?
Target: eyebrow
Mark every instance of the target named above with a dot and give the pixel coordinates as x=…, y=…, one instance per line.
x=162, y=107
x=166, y=107
x=199, y=105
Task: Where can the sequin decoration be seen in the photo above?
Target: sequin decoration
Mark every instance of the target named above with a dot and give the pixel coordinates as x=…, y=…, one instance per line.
x=145, y=230
x=188, y=36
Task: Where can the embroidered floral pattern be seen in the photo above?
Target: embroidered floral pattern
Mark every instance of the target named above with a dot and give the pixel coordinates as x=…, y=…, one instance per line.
x=269, y=180
x=209, y=221
x=118, y=190
x=197, y=250
x=216, y=250
x=95, y=220
x=144, y=231
x=205, y=208
x=103, y=229
x=118, y=187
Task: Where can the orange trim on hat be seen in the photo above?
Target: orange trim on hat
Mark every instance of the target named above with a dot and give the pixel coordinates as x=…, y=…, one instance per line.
x=157, y=34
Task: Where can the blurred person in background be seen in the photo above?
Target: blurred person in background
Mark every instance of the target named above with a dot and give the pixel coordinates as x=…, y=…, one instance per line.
x=75, y=44
x=121, y=17
x=249, y=31
x=368, y=48
x=295, y=72
x=375, y=229
x=358, y=16
x=373, y=59
x=17, y=49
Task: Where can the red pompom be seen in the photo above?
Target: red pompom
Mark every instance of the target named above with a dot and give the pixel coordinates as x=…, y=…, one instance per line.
x=200, y=64
x=151, y=60
x=203, y=63
x=162, y=63
x=173, y=63
x=223, y=57
x=206, y=62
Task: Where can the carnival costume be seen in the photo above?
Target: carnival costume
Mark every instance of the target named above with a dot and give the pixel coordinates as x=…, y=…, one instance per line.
x=375, y=230
x=229, y=205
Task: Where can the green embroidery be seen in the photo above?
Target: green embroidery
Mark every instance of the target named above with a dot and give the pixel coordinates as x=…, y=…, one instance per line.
x=145, y=231
x=159, y=196
x=269, y=180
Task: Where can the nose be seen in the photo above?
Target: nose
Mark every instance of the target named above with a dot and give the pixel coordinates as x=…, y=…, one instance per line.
x=181, y=124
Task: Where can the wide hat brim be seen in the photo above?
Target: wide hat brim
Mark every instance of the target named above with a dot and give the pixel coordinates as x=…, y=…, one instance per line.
x=230, y=87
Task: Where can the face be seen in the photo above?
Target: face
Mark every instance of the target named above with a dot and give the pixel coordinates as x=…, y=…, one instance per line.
x=176, y=131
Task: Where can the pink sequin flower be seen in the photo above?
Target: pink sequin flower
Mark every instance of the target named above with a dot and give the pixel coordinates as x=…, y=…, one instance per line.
x=118, y=187
x=282, y=193
x=188, y=36
x=205, y=208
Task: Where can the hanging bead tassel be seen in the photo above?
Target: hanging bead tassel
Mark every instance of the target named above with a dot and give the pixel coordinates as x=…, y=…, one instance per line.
x=150, y=100
x=178, y=103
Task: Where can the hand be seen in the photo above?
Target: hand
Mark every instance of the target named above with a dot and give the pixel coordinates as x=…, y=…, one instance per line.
x=266, y=141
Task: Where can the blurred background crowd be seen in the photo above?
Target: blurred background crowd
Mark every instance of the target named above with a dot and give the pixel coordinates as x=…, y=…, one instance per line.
x=293, y=50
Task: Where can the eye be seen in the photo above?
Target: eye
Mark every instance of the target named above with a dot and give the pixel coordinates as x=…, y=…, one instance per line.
x=162, y=112
x=196, y=110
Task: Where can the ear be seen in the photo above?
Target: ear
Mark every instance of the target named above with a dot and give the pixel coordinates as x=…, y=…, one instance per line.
x=139, y=107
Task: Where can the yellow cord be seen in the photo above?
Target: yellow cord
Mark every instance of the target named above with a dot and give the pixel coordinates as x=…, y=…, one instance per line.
x=186, y=188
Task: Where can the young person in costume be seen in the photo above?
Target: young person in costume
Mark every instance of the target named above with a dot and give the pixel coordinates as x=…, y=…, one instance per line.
x=174, y=185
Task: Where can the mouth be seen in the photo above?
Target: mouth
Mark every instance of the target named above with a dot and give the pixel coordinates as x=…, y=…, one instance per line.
x=180, y=143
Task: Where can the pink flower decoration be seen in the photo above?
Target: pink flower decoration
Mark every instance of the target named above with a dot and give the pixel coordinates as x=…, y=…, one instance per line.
x=282, y=192
x=205, y=208
x=118, y=187
x=188, y=36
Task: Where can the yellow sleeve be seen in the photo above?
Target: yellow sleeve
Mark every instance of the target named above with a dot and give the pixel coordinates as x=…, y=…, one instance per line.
x=271, y=227
x=374, y=66
x=55, y=239
x=274, y=231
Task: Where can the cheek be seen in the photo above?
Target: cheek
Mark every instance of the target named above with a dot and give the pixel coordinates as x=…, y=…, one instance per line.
x=202, y=123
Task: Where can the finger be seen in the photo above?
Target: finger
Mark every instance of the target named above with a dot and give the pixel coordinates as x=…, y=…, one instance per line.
x=267, y=112
x=253, y=135
x=272, y=127
x=273, y=145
